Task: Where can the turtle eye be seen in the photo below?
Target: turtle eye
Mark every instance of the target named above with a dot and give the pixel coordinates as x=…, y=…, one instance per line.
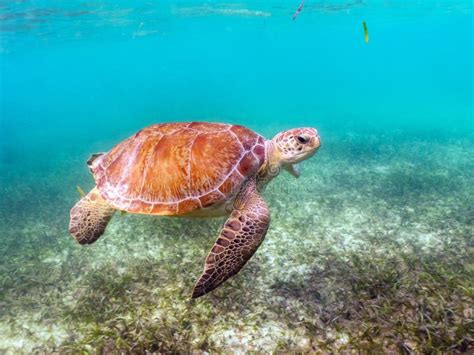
x=302, y=139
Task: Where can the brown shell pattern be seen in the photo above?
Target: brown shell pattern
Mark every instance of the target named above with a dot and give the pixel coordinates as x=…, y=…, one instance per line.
x=175, y=168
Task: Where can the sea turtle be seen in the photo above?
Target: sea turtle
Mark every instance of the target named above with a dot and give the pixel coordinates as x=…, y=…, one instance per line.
x=194, y=169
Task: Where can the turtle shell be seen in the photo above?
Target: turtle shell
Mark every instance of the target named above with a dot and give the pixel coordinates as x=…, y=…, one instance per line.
x=175, y=168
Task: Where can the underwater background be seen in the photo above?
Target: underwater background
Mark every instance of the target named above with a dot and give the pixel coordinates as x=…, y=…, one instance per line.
x=370, y=250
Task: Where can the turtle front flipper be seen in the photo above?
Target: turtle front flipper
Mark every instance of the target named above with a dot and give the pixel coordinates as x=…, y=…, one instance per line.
x=89, y=217
x=239, y=238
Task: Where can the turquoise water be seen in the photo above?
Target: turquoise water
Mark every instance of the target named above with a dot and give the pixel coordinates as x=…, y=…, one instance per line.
x=395, y=173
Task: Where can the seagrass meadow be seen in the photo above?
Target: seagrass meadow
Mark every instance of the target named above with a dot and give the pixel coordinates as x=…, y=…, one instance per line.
x=370, y=251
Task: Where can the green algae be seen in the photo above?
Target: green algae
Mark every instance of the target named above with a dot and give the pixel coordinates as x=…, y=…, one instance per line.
x=367, y=252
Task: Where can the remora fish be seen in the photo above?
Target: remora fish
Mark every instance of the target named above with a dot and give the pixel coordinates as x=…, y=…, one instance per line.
x=81, y=191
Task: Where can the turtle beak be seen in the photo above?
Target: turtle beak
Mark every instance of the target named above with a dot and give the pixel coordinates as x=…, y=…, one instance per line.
x=316, y=140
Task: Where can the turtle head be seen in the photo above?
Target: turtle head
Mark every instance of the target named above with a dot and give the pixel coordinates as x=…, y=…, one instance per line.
x=293, y=146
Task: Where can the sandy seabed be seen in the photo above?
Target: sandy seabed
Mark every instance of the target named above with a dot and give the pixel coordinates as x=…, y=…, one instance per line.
x=371, y=250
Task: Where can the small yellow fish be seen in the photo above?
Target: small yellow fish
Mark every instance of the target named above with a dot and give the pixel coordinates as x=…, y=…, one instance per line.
x=366, y=32
x=81, y=191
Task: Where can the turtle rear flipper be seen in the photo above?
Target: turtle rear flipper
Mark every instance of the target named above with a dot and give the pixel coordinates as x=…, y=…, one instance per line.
x=93, y=159
x=89, y=217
